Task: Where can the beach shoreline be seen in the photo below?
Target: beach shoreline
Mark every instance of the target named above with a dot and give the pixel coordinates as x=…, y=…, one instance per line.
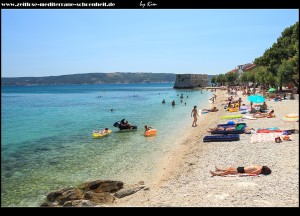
x=184, y=178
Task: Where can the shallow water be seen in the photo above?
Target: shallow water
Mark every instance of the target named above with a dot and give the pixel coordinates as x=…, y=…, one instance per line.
x=47, y=142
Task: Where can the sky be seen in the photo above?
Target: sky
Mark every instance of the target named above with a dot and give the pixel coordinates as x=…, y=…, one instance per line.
x=51, y=42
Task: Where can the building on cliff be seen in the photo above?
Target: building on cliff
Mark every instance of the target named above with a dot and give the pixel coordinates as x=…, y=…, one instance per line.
x=190, y=81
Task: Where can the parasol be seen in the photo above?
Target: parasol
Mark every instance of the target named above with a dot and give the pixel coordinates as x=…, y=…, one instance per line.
x=293, y=117
x=256, y=98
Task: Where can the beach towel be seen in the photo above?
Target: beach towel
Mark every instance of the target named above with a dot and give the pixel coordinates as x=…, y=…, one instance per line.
x=265, y=137
x=268, y=131
x=239, y=127
x=249, y=117
x=241, y=175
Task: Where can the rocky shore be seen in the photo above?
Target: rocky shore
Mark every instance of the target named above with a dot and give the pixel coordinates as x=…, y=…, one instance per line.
x=98, y=193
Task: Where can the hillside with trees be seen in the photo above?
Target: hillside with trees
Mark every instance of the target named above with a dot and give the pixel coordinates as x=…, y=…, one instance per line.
x=90, y=78
x=277, y=67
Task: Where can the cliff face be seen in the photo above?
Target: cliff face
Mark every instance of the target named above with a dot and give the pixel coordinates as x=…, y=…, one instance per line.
x=191, y=80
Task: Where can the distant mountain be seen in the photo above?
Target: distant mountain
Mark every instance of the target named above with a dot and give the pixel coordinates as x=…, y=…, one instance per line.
x=90, y=78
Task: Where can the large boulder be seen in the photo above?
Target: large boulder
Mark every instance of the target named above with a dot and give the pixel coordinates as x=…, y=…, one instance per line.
x=49, y=204
x=53, y=195
x=100, y=186
x=72, y=194
x=128, y=191
x=103, y=197
x=79, y=203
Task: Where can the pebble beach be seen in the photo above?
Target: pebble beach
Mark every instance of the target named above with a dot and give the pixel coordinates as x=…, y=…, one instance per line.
x=184, y=179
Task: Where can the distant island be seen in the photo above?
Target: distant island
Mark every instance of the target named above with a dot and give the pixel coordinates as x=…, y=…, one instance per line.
x=91, y=78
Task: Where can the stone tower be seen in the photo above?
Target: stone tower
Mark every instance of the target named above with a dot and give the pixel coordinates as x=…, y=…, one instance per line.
x=191, y=81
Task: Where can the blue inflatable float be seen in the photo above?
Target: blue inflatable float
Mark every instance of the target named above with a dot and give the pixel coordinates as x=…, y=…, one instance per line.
x=221, y=138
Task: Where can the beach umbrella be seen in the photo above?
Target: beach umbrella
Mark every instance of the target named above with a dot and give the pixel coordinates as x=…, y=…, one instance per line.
x=256, y=98
x=271, y=90
x=293, y=117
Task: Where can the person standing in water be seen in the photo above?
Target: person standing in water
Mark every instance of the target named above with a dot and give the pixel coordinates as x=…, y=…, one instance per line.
x=194, y=114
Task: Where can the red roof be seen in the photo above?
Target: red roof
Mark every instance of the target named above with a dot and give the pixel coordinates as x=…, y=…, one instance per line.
x=233, y=71
x=249, y=67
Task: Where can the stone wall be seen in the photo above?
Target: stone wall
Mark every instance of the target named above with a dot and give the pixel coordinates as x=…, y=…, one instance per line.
x=191, y=81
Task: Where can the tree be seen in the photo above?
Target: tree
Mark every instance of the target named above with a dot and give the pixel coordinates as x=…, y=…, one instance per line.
x=244, y=77
x=232, y=78
x=221, y=79
x=283, y=56
x=260, y=75
x=214, y=80
x=285, y=71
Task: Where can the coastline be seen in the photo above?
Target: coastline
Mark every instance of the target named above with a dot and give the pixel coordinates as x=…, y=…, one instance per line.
x=184, y=178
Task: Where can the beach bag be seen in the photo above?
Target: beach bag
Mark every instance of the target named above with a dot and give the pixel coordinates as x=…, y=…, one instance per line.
x=286, y=138
x=278, y=140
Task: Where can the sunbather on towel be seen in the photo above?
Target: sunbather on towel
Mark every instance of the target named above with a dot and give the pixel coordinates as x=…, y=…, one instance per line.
x=221, y=129
x=250, y=170
x=263, y=115
x=211, y=110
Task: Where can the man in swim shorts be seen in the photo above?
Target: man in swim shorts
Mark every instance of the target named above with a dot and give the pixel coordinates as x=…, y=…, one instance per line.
x=251, y=170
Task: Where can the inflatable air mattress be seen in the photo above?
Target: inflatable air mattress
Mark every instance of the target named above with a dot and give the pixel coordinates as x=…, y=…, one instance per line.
x=232, y=116
x=221, y=138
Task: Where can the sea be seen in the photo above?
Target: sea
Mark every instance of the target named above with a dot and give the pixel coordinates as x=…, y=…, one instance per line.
x=47, y=142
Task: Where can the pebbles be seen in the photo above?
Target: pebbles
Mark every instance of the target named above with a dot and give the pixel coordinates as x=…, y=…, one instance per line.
x=186, y=180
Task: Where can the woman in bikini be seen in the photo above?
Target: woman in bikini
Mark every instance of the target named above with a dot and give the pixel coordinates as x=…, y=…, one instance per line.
x=250, y=170
x=194, y=114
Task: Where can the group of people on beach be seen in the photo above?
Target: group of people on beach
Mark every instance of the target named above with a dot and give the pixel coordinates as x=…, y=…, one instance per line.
x=252, y=170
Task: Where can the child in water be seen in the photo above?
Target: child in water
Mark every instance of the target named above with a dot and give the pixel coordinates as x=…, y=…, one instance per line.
x=147, y=128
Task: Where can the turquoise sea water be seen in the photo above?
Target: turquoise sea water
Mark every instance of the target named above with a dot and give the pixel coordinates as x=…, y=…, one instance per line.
x=47, y=142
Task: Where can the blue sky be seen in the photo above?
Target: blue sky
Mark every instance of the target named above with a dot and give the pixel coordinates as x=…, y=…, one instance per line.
x=58, y=42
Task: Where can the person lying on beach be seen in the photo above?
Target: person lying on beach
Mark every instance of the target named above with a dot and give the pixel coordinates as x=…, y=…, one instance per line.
x=211, y=110
x=250, y=170
x=263, y=115
x=221, y=129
